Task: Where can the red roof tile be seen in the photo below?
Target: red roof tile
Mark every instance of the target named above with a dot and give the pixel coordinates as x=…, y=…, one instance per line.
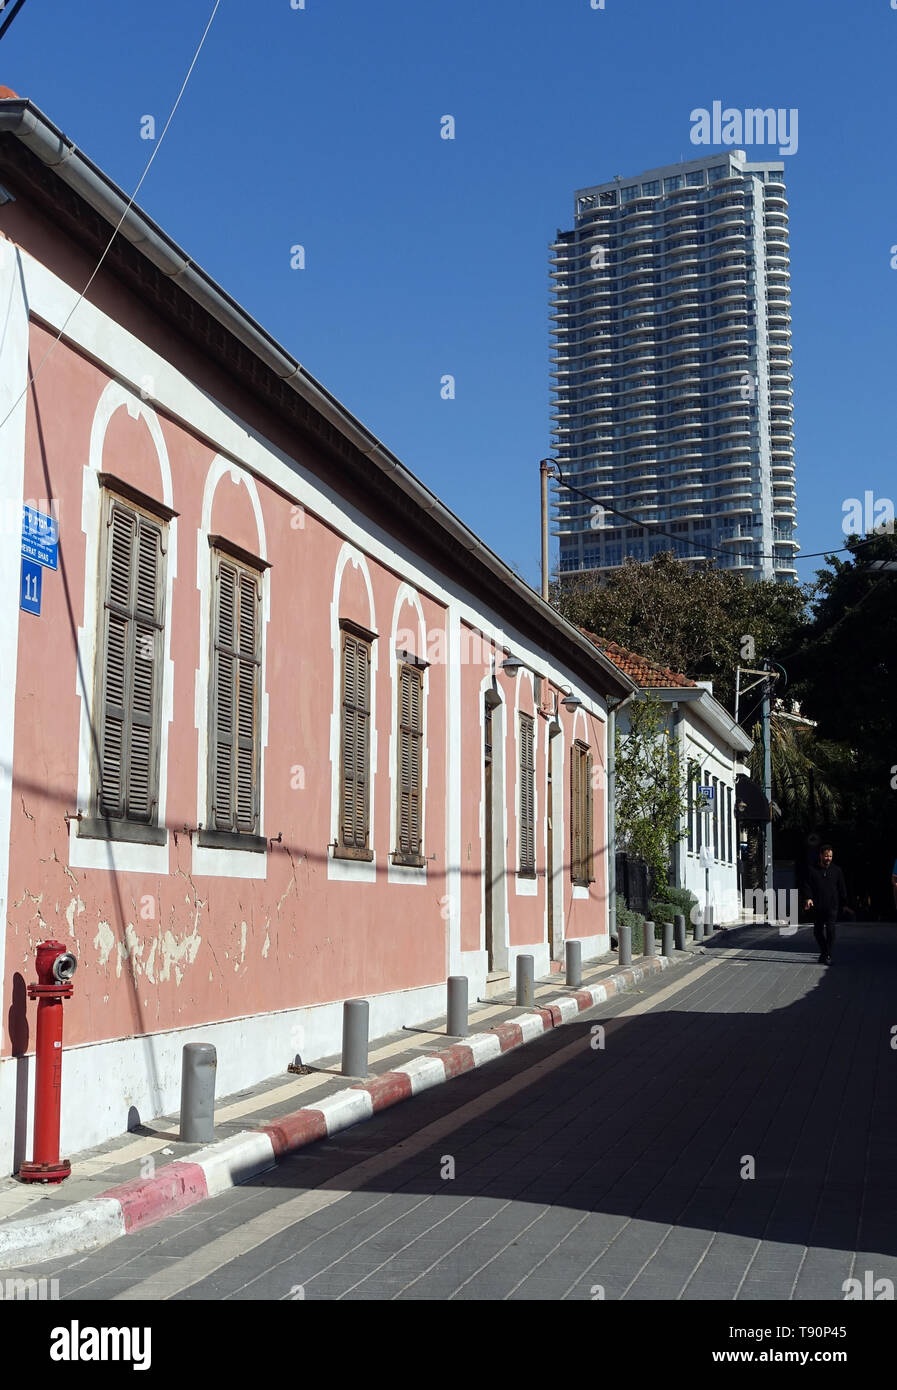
x=644, y=672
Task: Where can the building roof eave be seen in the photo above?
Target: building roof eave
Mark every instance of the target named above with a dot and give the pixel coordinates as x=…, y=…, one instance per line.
x=21, y=119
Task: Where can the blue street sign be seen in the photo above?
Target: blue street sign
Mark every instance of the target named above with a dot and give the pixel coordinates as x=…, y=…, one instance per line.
x=40, y=538
x=706, y=793
x=32, y=584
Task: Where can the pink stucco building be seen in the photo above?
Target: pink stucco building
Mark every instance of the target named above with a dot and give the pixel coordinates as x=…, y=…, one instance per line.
x=261, y=749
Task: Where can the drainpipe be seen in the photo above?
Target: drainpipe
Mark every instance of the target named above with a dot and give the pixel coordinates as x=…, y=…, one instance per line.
x=613, y=708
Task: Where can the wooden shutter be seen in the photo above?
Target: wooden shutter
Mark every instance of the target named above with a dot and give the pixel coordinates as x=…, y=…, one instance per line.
x=129, y=675
x=410, y=761
x=235, y=690
x=527, y=857
x=355, y=742
x=588, y=817
x=575, y=821
x=581, y=819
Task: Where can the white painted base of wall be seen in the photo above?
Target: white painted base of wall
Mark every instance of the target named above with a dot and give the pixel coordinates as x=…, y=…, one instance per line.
x=473, y=963
x=102, y=1081
x=592, y=946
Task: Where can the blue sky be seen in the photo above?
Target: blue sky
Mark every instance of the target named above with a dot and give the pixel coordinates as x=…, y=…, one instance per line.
x=320, y=127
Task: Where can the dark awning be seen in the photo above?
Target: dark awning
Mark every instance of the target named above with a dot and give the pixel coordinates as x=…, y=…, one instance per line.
x=750, y=803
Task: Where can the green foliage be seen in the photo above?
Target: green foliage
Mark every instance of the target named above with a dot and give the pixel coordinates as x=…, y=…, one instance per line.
x=845, y=672
x=802, y=772
x=679, y=900
x=628, y=917
x=651, y=790
x=692, y=619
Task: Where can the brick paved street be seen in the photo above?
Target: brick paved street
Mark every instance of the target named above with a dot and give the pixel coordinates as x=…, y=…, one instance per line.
x=580, y=1171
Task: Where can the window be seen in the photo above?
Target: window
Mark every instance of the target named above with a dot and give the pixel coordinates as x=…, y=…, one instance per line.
x=581, y=814
x=672, y=183
x=234, y=699
x=695, y=179
x=691, y=811
x=355, y=744
x=650, y=189
x=729, y=824
x=129, y=674
x=526, y=863
x=410, y=766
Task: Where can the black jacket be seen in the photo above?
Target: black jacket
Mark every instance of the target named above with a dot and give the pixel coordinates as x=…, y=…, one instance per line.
x=827, y=889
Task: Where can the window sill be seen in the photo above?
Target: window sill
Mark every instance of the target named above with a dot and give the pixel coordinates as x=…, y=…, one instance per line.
x=583, y=882
x=408, y=861
x=232, y=839
x=98, y=828
x=347, y=852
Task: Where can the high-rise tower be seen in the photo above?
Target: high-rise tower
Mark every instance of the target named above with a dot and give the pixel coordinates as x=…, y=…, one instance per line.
x=672, y=368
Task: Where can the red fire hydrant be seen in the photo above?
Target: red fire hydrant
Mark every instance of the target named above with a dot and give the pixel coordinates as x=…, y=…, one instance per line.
x=55, y=968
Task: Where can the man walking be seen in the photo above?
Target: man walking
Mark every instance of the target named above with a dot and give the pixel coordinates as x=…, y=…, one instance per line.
x=826, y=894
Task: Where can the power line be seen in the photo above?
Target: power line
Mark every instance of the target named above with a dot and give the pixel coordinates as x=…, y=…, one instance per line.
x=117, y=229
x=655, y=528
x=11, y=16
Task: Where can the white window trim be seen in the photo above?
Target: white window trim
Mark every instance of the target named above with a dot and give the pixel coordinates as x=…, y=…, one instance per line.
x=525, y=887
x=407, y=873
x=351, y=870
x=118, y=856
x=226, y=863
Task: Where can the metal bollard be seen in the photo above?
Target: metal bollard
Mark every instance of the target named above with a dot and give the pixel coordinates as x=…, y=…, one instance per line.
x=648, y=943
x=708, y=921
x=526, y=978
x=679, y=932
x=199, y=1062
x=668, y=938
x=574, y=964
x=456, y=1012
x=355, y=1037
x=624, y=945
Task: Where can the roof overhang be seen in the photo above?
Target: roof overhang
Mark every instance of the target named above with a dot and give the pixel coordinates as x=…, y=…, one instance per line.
x=710, y=711
x=36, y=156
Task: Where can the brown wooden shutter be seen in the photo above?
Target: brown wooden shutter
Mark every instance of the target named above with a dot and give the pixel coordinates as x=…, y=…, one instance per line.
x=247, y=706
x=410, y=760
x=147, y=655
x=527, y=796
x=355, y=742
x=581, y=818
x=234, y=723
x=132, y=622
x=575, y=823
x=588, y=813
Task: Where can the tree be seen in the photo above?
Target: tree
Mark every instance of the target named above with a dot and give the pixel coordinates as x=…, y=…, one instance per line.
x=802, y=771
x=844, y=668
x=699, y=620
x=651, y=791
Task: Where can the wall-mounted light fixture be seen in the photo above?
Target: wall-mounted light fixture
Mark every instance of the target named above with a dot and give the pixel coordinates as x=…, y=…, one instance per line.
x=511, y=665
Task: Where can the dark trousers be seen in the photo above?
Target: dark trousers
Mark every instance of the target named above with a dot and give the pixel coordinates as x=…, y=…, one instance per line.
x=824, y=931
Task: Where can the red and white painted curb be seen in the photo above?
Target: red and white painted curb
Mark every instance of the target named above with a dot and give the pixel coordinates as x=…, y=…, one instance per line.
x=95, y=1222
